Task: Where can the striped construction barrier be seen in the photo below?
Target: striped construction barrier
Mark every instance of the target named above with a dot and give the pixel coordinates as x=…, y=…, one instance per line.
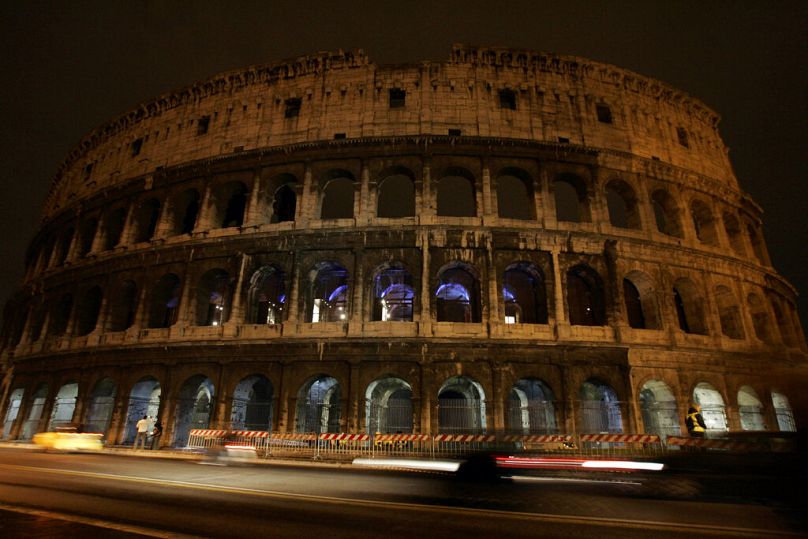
x=250, y=433
x=293, y=436
x=538, y=438
x=207, y=433
x=621, y=438
x=466, y=438
x=379, y=438
x=343, y=437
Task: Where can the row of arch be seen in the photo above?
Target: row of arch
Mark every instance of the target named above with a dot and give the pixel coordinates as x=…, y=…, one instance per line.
x=530, y=408
x=326, y=293
x=241, y=199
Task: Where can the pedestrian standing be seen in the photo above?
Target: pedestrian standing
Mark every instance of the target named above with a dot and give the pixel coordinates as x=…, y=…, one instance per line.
x=142, y=432
x=695, y=422
x=157, y=431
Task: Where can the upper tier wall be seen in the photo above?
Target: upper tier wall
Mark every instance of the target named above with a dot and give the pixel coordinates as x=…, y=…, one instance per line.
x=343, y=94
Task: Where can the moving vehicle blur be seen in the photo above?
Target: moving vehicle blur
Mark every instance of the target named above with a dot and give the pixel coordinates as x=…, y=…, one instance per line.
x=69, y=439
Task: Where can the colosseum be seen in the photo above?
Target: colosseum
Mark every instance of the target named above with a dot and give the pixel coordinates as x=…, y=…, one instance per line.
x=508, y=241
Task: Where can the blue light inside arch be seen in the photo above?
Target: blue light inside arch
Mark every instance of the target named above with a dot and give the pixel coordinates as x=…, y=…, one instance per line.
x=452, y=292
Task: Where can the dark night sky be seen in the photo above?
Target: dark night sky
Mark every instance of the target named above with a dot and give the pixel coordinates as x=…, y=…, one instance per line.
x=70, y=66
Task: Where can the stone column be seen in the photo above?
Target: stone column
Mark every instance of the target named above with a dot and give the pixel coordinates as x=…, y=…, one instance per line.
x=498, y=393
x=219, y=418
x=429, y=421
x=364, y=210
x=252, y=211
x=560, y=307
x=425, y=315
x=203, y=217
x=357, y=296
x=489, y=209
x=236, y=315
x=308, y=199
x=292, y=307
x=352, y=405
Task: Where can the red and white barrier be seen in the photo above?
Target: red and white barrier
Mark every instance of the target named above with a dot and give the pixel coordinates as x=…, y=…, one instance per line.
x=621, y=438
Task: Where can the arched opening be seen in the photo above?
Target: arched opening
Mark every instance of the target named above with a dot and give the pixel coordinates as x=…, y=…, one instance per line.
x=456, y=195
x=113, y=228
x=229, y=202
x=38, y=322
x=318, y=406
x=267, y=296
x=666, y=213
x=87, y=312
x=278, y=199
x=64, y=404
x=396, y=195
x=621, y=201
x=392, y=294
x=458, y=295
x=750, y=409
x=123, y=306
x=756, y=241
x=599, y=408
x=658, y=408
x=284, y=204
x=102, y=402
x=760, y=318
x=784, y=325
x=329, y=293
x=185, y=211
x=461, y=406
x=733, y=230
x=728, y=312
x=144, y=401
x=515, y=198
x=63, y=247
x=524, y=294
x=337, y=200
x=703, y=223
x=388, y=406
x=712, y=407
x=60, y=315
x=571, y=197
x=782, y=410
x=193, y=408
x=213, y=298
x=12, y=411
x=689, y=305
x=531, y=409
x=252, y=404
x=165, y=302
x=639, y=297
x=145, y=222
x=34, y=418
x=586, y=300
x=87, y=232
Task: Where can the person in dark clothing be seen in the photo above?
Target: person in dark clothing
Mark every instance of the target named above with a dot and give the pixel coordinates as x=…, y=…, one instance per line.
x=695, y=422
x=157, y=431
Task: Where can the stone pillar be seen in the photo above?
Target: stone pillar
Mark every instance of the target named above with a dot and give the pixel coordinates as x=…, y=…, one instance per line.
x=353, y=406
x=252, y=212
x=494, y=314
x=203, y=217
x=569, y=407
x=126, y=231
x=498, y=394
x=308, y=199
x=425, y=315
x=236, y=315
x=292, y=307
x=117, y=423
x=161, y=230
x=489, y=209
x=219, y=407
x=427, y=203
x=560, y=307
x=365, y=209
x=357, y=296
x=429, y=421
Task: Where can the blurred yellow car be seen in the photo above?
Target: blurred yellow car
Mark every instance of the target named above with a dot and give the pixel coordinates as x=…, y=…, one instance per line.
x=69, y=441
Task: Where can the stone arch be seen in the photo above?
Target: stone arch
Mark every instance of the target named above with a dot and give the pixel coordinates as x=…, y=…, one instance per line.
x=63, y=247
x=60, y=315
x=64, y=405
x=586, y=298
x=599, y=408
x=396, y=193
x=784, y=325
x=165, y=302
x=639, y=297
x=328, y=293
x=729, y=313
x=659, y=409
x=524, y=294
x=145, y=218
x=113, y=226
x=12, y=411
x=35, y=410
x=266, y=296
x=388, y=406
x=337, y=194
x=621, y=201
x=100, y=407
x=318, y=405
x=461, y=406
x=733, y=230
x=783, y=412
x=712, y=406
x=184, y=212
x=87, y=311
x=689, y=304
x=228, y=201
x=458, y=294
x=761, y=322
x=750, y=409
x=456, y=193
x=393, y=293
x=756, y=240
x=193, y=407
x=531, y=408
x=666, y=213
x=279, y=198
x=515, y=194
x=87, y=231
x=213, y=298
x=122, y=305
x=571, y=195
x=144, y=400
x=703, y=222
x=252, y=404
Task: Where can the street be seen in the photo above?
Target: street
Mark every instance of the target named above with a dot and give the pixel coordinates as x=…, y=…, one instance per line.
x=115, y=496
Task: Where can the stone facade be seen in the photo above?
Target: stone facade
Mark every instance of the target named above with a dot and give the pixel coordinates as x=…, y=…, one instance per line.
x=509, y=240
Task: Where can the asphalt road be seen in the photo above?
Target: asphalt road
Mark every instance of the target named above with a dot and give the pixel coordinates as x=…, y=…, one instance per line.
x=116, y=496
